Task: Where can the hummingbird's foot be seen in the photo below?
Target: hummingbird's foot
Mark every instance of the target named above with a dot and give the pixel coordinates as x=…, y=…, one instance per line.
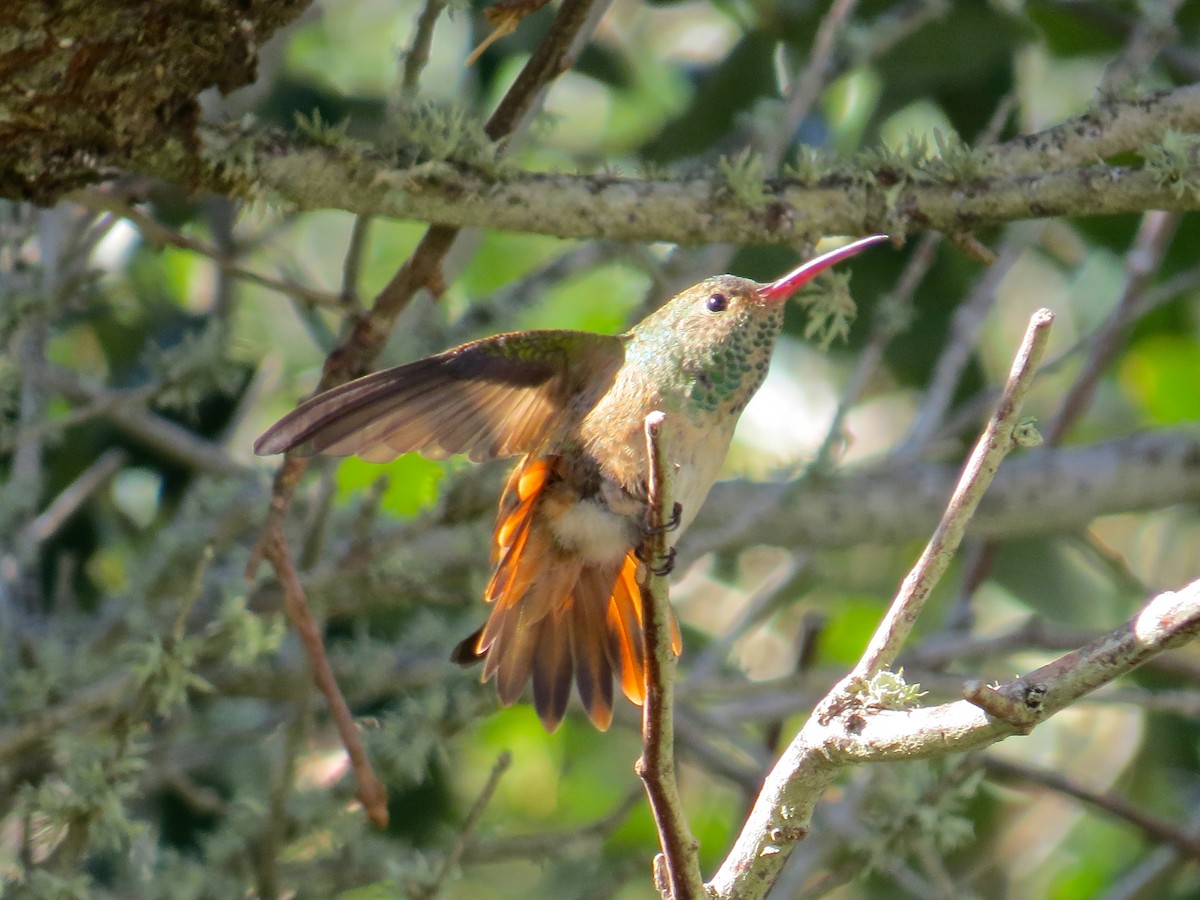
x=668, y=526
x=666, y=567
x=676, y=516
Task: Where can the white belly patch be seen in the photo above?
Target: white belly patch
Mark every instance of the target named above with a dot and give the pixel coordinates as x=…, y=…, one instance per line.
x=593, y=531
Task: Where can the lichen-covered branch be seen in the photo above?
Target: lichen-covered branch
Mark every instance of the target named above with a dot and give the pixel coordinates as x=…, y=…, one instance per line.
x=686, y=211
x=1039, y=491
x=1055, y=172
x=824, y=748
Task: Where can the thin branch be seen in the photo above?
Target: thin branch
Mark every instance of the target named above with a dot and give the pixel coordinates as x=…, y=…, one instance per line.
x=1155, y=29
x=540, y=846
x=1150, y=873
x=74, y=495
x=891, y=318
x=1141, y=265
x=825, y=747
x=370, y=790
x=1157, y=296
x=1153, y=827
x=997, y=441
x=352, y=265
x=116, y=692
x=158, y=234
x=895, y=311
x=810, y=82
x=781, y=816
x=527, y=290
x=127, y=415
x=679, y=878
x=417, y=54
x=965, y=326
x=467, y=835
x=756, y=606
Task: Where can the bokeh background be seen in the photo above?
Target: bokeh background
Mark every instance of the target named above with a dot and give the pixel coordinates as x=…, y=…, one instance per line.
x=159, y=735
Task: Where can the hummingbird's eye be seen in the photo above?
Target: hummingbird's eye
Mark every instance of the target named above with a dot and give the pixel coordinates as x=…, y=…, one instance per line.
x=717, y=303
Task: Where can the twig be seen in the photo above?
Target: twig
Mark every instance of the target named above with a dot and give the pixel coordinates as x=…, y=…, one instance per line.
x=1153, y=31
x=679, y=878
x=265, y=855
x=417, y=54
x=1150, y=874
x=117, y=691
x=1141, y=265
x=1153, y=827
x=995, y=443
x=370, y=791
x=756, y=606
x=1159, y=295
x=539, y=846
x=781, y=816
x=467, y=835
x=155, y=232
x=352, y=264
x=76, y=494
x=895, y=310
x=1181, y=60
x=891, y=319
x=529, y=289
x=809, y=84
x=965, y=326
x=809, y=765
x=799, y=98
x=171, y=440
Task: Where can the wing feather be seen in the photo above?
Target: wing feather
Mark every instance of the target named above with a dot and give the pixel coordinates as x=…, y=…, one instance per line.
x=490, y=398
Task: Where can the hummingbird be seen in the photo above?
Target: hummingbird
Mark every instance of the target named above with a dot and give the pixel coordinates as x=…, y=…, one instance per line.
x=564, y=592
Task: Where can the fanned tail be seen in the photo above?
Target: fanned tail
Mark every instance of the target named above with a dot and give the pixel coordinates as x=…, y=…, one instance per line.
x=556, y=618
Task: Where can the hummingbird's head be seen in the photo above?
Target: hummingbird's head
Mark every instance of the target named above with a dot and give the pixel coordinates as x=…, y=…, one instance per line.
x=727, y=304
x=718, y=335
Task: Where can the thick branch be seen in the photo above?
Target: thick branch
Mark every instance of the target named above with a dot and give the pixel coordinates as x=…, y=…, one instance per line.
x=823, y=749
x=688, y=211
x=1041, y=491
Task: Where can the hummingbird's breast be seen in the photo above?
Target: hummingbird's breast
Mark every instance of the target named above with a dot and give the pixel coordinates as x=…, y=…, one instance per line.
x=702, y=381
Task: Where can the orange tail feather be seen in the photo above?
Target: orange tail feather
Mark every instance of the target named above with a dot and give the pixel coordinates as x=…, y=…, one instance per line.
x=554, y=619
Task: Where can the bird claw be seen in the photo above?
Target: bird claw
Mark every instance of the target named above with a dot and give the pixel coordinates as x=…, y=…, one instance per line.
x=666, y=567
x=670, y=525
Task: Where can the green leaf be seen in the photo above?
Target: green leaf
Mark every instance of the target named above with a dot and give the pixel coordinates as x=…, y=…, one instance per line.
x=1160, y=373
x=411, y=487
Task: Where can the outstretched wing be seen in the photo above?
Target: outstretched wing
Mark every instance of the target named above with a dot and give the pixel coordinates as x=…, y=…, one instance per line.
x=490, y=398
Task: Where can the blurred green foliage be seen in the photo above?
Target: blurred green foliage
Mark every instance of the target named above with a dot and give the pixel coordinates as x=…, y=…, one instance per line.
x=159, y=735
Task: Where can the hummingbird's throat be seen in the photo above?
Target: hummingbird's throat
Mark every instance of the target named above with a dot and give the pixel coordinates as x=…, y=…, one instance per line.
x=725, y=380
